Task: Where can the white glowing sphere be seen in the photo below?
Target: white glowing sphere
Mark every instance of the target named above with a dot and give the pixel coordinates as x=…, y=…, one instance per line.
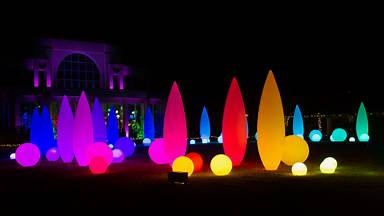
x=110, y=146
x=192, y=142
x=351, y=139
x=12, y=156
x=299, y=169
x=364, y=137
x=328, y=165
x=205, y=140
x=220, y=139
x=331, y=138
x=146, y=141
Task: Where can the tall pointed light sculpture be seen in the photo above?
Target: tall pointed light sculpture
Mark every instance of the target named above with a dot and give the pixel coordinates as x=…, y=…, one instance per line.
x=205, y=126
x=362, y=124
x=47, y=138
x=175, y=126
x=99, y=129
x=83, y=131
x=65, y=131
x=234, y=125
x=298, y=124
x=270, y=125
x=36, y=132
x=112, y=127
x=149, y=125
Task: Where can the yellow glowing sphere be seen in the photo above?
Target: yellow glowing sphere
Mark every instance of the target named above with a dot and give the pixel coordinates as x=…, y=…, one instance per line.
x=328, y=165
x=183, y=164
x=295, y=149
x=299, y=169
x=221, y=165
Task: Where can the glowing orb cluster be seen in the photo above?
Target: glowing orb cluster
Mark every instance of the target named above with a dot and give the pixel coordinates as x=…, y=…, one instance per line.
x=295, y=149
x=197, y=161
x=339, y=135
x=156, y=151
x=52, y=154
x=315, y=135
x=192, y=142
x=183, y=164
x=328, y=165
x=146, y=141
x=299, y=169
x=221, y=165
x=126, y=145
x=27, y=154
x=12, y=156
x=118, y=156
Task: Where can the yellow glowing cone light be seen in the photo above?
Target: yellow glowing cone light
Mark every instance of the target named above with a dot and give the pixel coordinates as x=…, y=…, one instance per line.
x=270, y=125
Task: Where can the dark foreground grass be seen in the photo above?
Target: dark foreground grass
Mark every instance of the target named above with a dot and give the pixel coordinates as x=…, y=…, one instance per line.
x=358, y=185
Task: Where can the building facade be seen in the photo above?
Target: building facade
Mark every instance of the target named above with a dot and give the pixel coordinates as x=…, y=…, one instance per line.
x=66, y=67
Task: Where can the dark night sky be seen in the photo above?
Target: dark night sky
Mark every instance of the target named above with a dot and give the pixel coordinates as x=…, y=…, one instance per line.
x=324, y=58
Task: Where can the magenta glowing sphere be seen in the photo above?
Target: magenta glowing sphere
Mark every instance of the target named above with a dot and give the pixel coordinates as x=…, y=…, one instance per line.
x=52, y=154
x=100, y=149
x=118, y=156
x=98, y=165
x=126, y=145
x=27, y=154
x=156, y=152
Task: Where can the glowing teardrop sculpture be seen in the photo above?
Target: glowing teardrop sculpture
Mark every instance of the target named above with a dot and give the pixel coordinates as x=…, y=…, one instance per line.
x=99, y=129
x=270, y=125
x=83, y=130
x=65, y=131
x=47, y=136
x=361, y=122
x=234, y=125
x=112, y=127
x=205, y=126
x=149, y=125
x=175, y=126
x=35, y=133
x=298, y=124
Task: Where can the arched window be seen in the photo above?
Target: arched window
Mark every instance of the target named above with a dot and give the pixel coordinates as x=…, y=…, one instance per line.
x=77, y=71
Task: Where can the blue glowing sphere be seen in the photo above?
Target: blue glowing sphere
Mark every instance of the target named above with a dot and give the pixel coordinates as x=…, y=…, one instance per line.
x=315, y=135
x=126, y=145
x=339, y=135
x=146, y=141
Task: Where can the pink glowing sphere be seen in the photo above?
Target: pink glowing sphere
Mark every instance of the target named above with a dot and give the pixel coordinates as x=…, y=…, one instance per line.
x=156, y=151
x=98, y=165
x=118, y=156
x=100, y=149
x=52, y=154
x=27, y=154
